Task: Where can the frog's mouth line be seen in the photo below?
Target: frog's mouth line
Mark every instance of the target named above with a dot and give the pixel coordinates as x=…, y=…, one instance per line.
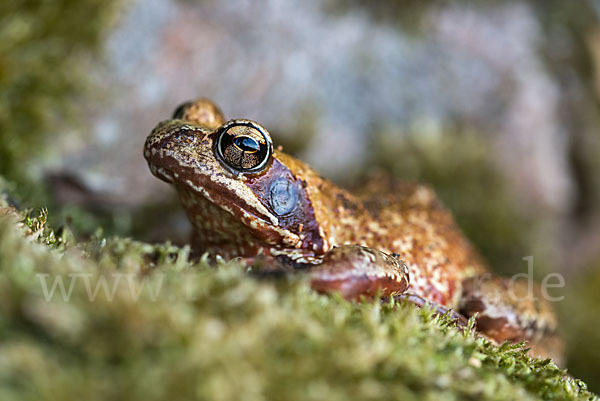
x=167, y=175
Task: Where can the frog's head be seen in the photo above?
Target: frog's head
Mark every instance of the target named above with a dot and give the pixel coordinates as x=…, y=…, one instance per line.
x=235, y=188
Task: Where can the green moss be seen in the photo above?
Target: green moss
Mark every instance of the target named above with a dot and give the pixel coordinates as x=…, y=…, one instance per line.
x=47, y=49
x=198, y=332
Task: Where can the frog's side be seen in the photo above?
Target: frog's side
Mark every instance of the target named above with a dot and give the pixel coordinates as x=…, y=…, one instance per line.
x=246, y=200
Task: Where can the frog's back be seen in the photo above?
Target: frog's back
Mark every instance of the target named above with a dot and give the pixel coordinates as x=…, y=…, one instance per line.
x=408, y=219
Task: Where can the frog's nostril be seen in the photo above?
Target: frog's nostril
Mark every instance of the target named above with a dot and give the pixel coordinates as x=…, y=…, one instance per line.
x=184, y=136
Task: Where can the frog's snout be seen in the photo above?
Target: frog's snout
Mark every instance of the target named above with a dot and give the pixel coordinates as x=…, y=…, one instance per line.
x=163, y=148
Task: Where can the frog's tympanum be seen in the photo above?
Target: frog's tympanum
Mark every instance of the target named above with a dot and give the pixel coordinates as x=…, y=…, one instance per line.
x=245, y=199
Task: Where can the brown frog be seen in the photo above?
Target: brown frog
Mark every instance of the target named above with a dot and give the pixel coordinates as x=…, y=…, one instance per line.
x=247, y=200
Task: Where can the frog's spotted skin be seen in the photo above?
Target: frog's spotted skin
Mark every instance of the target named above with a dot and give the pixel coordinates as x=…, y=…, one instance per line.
x=247, y=200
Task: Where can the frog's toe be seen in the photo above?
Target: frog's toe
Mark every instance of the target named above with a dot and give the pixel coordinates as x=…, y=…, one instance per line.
x=355, y=271
x=460, y=320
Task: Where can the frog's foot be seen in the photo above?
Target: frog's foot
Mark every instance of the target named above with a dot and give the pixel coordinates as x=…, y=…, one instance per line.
x=263, y=266
x=512, y=311
x=356, y=271
x=461, y=320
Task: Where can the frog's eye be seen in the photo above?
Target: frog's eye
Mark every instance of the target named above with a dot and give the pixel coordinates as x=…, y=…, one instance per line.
x=179, y=112
x=243, y=146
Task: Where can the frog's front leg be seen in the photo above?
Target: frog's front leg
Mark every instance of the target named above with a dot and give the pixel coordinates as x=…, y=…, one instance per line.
x=355, y=271
x=515, y=311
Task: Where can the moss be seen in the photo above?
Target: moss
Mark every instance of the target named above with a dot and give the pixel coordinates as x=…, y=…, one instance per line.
x=198, y=332
x=47, y=50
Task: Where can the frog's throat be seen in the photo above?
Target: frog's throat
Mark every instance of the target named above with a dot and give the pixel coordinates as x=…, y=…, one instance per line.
x=216, y=230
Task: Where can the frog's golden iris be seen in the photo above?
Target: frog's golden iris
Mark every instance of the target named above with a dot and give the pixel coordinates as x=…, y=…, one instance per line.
x=243, y=146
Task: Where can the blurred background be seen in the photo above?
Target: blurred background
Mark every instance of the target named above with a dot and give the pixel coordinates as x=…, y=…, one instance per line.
x=494, y=103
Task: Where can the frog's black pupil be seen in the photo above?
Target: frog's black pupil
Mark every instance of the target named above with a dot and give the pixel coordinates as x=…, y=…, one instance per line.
x=246, y=143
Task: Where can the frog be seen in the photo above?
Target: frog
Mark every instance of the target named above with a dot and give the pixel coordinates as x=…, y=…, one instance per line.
x=247, y=199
